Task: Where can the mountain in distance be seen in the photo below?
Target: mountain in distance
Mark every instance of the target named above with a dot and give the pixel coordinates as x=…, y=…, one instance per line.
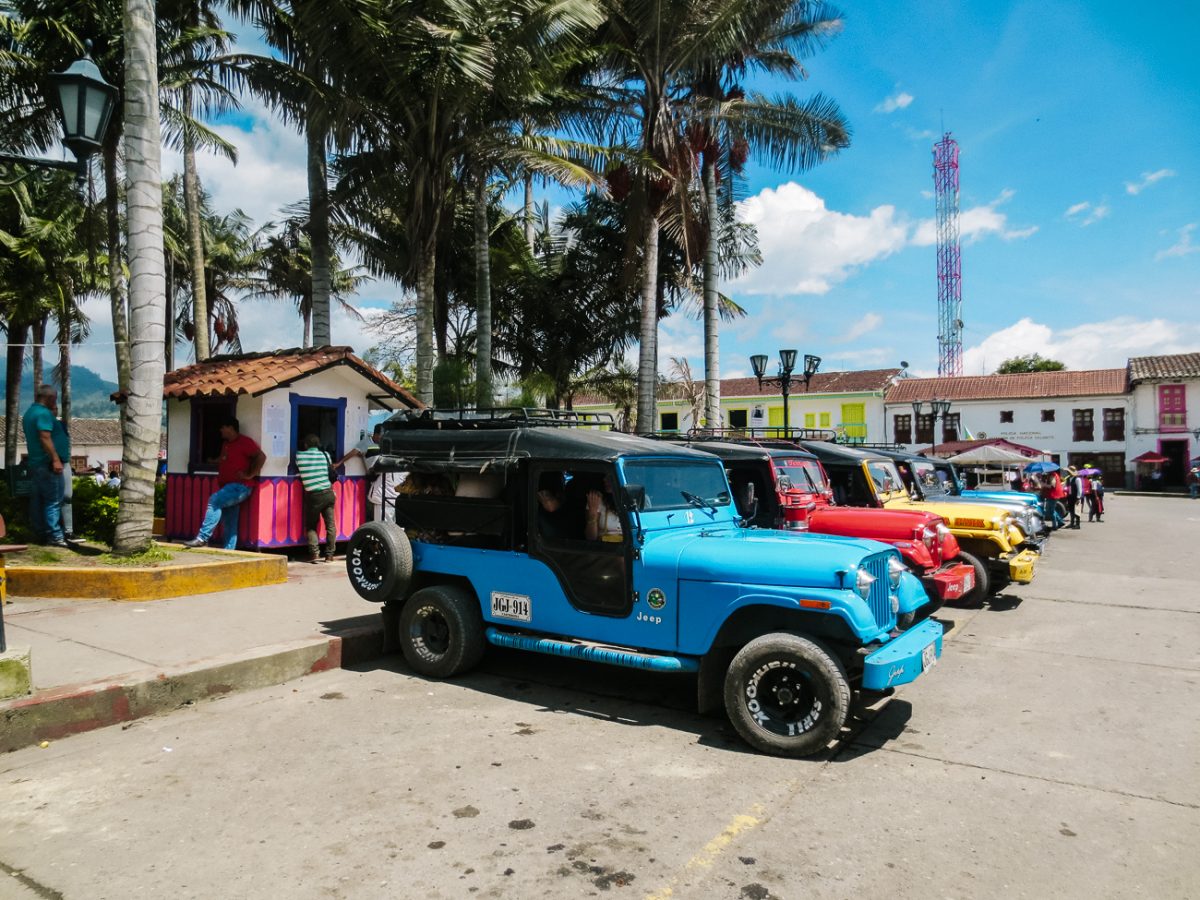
x=89, y=393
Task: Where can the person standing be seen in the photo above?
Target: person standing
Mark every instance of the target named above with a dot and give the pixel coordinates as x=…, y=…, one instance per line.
x=1193, y=482
x=238, y=465
x=45, y=468
x=1074, y=496
x=320, y=502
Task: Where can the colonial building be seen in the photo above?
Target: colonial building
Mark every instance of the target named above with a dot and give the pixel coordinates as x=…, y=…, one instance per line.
x=1165, y=411
x=850, y=403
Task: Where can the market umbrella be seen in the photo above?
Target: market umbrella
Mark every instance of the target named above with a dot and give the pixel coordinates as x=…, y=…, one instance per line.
x=1089, y=472
x=988, y=454
x=1039, y=468
x=1151, y=458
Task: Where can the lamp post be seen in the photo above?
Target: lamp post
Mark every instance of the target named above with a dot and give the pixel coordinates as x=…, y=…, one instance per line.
x=787, y=365
x=84, y=102
x=939, y=409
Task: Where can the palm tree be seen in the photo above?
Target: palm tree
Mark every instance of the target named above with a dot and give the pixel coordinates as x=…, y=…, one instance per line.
x=142, y=421
x=727, y=126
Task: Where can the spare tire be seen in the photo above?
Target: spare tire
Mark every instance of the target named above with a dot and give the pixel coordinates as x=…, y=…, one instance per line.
x=379, y=561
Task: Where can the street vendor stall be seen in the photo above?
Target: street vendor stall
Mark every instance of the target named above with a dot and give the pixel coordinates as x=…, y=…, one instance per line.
x=277, y=397
x=1148, y=474
x=986, y=460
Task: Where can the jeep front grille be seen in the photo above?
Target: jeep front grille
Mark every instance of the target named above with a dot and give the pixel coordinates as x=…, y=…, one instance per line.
x=880, y=599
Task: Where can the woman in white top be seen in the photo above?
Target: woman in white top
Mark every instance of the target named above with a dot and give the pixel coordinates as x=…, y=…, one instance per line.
x=603, y=523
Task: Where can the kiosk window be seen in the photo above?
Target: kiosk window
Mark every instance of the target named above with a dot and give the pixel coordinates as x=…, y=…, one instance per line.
x=207, y=415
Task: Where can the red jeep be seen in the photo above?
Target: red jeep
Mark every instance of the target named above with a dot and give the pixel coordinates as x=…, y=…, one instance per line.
x=778, y=487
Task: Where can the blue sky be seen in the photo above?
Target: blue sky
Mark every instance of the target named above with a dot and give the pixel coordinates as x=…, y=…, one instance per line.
x=1079, y=132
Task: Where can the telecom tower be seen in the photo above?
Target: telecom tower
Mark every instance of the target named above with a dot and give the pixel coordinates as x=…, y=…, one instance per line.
x=949, y=256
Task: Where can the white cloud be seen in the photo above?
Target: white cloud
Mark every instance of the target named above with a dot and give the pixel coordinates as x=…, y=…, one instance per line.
x=1147, y=179
x=865, y=325
x=269, y=175
x=1093, y=213
x=1181, y=247
x=900, y=100
x=807, y=248
x=1091, y=345
x=976, y=223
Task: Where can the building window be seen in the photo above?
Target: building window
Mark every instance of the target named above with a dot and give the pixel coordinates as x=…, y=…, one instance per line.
x=903, y=429
x=925, y=429
x=1047, y=415
x=670, y=421
x=207, y=416
x=810, y=420
x=950, y=427
x=824, y=420
x=1006, y=415
x=79, y=465
x=1114, y=424
x=322, y=416
x=737, y=418
x=1172, y=407
x=1083, y=428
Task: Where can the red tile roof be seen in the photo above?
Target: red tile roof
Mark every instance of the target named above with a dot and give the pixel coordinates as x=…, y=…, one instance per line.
x=1179, y=365
x=257, y=373
x=953, y=448
x=1087, y=383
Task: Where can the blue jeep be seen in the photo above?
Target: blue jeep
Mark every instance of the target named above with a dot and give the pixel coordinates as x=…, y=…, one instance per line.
x=548, y=534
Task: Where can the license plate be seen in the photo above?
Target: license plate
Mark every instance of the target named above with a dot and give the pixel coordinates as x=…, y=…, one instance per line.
x=929, y=657
x=968, y=581
x=511, y=606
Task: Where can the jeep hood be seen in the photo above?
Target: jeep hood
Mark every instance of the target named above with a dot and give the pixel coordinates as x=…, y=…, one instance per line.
x=753, y=556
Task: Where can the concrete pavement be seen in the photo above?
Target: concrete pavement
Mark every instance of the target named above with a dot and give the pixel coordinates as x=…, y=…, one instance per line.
x=1052, y=753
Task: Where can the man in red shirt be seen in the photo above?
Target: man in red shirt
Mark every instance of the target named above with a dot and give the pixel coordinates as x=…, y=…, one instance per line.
x=239, y=464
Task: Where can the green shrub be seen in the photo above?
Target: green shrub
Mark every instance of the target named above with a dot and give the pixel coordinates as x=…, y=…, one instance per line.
x=16, y=515
x=160, y=499
x=95, y=508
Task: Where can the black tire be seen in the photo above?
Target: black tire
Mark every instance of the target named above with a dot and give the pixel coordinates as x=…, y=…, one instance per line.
x=983, y=579
x=441, y=631
x=786, y=696
x=379, y=561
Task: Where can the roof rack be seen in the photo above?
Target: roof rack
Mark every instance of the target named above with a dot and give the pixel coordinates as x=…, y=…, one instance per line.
x=499, y=417
x=883, y=445
x=764, y=433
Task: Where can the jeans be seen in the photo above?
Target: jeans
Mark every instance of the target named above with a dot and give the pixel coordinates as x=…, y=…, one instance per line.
x=320, y=505
x=1194, y=489
x=45, y=504
x=223, y=508
x=68, y=511
x=1050, y=512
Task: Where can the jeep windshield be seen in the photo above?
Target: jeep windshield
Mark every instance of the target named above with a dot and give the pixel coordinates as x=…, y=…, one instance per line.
x=670, y=483
x=886, y=478
x=804, y=474
x=933, y=482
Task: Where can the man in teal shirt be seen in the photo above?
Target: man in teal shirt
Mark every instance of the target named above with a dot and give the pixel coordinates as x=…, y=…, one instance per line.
x=45, y=467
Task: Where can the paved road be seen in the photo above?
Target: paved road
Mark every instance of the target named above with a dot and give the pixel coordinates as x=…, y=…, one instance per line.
x=1052, y=753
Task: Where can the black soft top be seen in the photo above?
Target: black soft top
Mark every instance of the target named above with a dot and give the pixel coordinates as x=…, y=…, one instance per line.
x=841, y=452
x=430, y=441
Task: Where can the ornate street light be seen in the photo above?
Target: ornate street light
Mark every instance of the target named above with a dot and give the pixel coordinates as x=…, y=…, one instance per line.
x=84, y=102
x=787, y=366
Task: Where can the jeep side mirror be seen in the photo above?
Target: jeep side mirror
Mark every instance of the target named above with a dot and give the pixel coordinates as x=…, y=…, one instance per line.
x=634, y=496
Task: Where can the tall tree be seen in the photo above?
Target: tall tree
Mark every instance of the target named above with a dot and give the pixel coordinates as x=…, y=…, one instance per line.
x=142, y=422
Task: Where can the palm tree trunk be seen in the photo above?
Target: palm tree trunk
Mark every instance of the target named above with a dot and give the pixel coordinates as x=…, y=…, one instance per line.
x=64, y=363
x=318, y=235
x=648, y=333
x=39, y=340
x=14, y=363
x=483, y=298
x=116, y=273
x=712, y=323
x=529, y=210
x=306, y=317
x=425, y=300
x=142, y=422
x=191, y=203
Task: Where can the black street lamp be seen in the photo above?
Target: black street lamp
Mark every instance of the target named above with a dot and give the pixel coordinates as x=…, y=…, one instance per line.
x=84, y=102
x=938, y=409
x=787, y=365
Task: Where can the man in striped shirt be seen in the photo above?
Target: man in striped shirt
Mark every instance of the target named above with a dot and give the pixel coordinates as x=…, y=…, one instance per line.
x=313, y=464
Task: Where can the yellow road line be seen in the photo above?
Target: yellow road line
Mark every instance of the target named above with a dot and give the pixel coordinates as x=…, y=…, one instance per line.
x=714, y=848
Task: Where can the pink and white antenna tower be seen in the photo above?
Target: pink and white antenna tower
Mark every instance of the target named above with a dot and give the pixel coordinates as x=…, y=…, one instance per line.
x=949, y=256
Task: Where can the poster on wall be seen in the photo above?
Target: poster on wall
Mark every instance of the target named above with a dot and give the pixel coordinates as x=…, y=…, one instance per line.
x=276, y=425
x=758, y=419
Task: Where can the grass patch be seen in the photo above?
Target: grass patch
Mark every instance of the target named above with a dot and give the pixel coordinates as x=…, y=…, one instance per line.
x=41, y=556
x=148, y=557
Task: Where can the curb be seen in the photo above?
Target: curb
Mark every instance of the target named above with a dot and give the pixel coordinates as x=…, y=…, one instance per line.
x=72, y=709
x=141, y=583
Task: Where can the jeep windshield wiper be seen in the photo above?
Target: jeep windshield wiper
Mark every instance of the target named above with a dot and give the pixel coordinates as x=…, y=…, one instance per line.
x=698, y=502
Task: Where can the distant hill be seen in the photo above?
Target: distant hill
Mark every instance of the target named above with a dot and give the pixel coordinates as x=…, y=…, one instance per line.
x=89, y=393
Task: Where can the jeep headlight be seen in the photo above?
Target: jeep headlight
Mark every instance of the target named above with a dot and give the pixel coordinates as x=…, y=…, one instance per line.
x=895, y=570
x=1035, y=523
x=862, y=582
